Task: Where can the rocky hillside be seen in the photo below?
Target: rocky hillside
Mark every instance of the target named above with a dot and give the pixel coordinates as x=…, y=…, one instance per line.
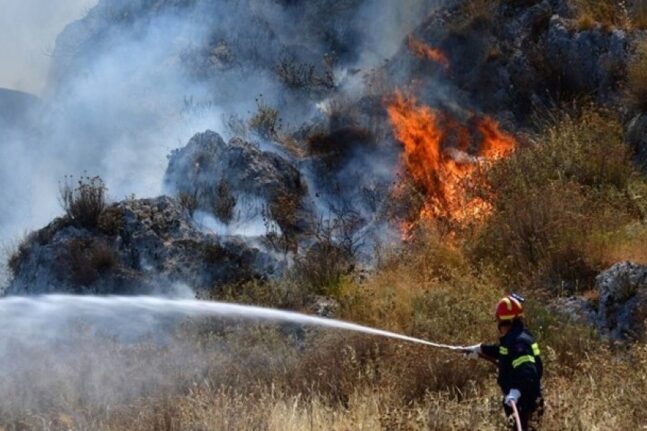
x=137, y=246
x=344, y=158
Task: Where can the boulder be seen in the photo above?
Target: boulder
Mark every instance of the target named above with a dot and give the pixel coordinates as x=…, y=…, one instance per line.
x=236, y=179
x=620, y=308
x=587, y=61
x=144, y=246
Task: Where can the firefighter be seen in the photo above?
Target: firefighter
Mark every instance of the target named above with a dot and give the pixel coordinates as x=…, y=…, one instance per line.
x=518, y=358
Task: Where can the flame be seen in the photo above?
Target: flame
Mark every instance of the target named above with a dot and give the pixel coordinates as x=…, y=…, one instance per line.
x=496, y=144
x=422, y=50
x=444, y=173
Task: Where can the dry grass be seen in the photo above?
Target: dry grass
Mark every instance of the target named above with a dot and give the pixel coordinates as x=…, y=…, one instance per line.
x=239, y=378
x=628, y=15
x=608, y=14
x=347, y=383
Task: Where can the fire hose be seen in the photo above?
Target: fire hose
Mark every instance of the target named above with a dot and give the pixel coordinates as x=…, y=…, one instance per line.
x=515, y=414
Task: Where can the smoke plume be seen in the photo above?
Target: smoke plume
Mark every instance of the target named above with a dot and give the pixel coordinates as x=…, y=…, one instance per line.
x=135, y=79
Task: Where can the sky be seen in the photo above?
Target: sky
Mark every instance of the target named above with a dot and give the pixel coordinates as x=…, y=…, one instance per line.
x=28, y=30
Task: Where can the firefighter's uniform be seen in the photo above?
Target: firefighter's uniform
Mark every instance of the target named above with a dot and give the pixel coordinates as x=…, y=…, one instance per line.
x=520, y=367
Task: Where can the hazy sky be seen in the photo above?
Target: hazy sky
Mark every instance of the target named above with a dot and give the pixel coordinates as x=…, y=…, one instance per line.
x=28, y=30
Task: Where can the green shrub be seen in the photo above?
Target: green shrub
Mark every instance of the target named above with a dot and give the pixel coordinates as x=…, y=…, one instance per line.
x=552, y=197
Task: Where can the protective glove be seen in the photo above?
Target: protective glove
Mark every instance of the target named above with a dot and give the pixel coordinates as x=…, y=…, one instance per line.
x=472, y=352
x=513, y=396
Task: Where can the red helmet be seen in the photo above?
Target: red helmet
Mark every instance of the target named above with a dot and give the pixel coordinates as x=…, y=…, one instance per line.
x=508, y=308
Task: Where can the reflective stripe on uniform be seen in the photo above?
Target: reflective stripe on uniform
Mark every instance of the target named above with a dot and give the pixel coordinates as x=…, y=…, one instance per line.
x=522, y=360
x=535, y=349
x=503, y=350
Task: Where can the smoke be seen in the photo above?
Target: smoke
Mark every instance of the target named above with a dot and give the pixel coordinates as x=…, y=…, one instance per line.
x=133, y=80
x=29, y=31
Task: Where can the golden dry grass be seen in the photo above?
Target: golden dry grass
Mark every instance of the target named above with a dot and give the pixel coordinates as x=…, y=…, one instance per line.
x=605, y=393
x=610, y=14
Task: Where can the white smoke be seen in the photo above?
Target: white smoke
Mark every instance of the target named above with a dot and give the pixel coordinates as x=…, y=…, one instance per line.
x=29, y=29
x=120, y=95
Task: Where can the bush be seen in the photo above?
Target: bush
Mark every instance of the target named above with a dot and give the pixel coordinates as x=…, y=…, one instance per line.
x=223, y=201
x=17, y=255
x=336, y=146
x=280, y=219
x=637, y=78
x=266, y=122
x=214, y=253
x=111, y=221
x=87, y=260
x=189, y=201
x=304, y=76
x=552, y=198
x=84, y=203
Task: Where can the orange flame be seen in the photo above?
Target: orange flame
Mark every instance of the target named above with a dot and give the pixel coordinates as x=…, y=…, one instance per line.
x=435, y=156
x=422, y=50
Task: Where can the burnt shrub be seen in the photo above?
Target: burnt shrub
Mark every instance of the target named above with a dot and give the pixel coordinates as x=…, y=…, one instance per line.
x=214, y=253
x=332, y=254
x=637, y=77
x=84, y=202
x=189, y=201
x=306, y=76
x=86, y=260
x=223, y=201
x=111, y=221
x=18, y=256
x=266, y=122
x=280, y=219
x=333, y=147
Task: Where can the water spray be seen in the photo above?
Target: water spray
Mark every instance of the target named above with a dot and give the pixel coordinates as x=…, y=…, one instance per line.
x=111, y=310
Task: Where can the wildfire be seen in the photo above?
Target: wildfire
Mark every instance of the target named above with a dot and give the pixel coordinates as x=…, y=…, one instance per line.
x=423, y=50
x=436, y=158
